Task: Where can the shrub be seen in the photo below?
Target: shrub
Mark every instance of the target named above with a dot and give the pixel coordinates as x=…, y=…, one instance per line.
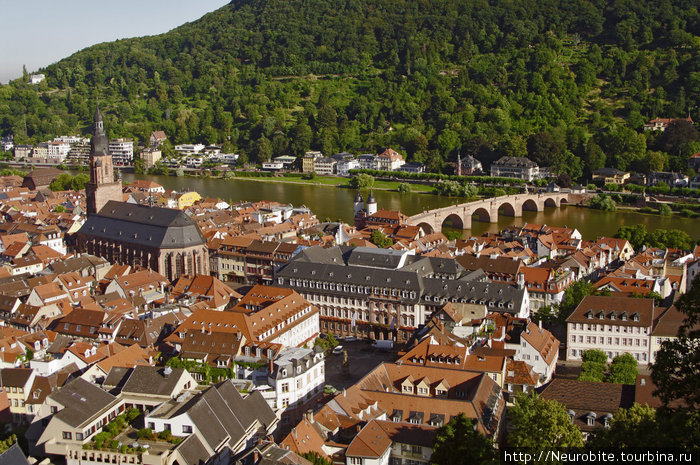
x=404, y=188
x=145, y=433
x=664, y=210
x=165, y=435
x=132, y=414
x=603, y=202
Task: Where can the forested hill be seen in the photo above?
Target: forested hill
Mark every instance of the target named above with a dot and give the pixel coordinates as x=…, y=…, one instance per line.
x=567, y=83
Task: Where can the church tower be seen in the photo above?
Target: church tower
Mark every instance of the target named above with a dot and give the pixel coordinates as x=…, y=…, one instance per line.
x=103, y=185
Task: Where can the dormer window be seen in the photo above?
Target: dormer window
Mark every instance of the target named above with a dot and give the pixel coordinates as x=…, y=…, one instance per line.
x=606, y=420
x=571, y=414
x=590, y=419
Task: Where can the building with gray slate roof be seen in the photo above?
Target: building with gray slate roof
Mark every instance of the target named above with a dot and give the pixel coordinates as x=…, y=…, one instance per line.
x=297, y=377
x=217, y=421
x=162, y=239
x=215, y=424
x=515, y=167
x=13, y=456
x=377, y=294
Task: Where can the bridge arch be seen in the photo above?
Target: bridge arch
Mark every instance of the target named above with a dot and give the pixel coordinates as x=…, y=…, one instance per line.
x=530, y=205
x=550, y=202
x=507, y=209
x=482, y=214
x=453, y=221
x=426, y=227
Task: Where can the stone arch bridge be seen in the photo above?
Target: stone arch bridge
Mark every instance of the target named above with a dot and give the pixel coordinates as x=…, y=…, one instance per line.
x=488, y=210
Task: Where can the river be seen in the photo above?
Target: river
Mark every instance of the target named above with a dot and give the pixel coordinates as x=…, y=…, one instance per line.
x=336, y=204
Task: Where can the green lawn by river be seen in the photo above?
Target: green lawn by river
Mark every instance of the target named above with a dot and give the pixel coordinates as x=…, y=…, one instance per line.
x=339, y=182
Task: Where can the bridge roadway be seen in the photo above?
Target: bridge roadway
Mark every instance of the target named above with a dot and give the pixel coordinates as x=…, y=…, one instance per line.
x=488, y=209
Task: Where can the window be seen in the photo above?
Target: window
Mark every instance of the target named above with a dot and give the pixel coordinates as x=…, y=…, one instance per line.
x=285, y=387
x=78, y=436
x=285, y=403
x=151, y=425
x=187, y=429
x=67, y=435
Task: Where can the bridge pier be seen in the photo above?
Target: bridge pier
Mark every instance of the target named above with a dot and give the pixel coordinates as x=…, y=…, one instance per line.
x=467, y=221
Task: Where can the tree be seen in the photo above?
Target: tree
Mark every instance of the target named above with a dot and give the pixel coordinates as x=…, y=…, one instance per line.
x=59, y=209
x=603, y=202
x=664, y=210
x=139, y=166
x=362, y=181
x=593, y=366
x=316, y=459
x=573, y=296
x=541, y=424
x=404, y=187
x=633, y=427
x=327, y=342
x=380, y=239
x=623, y=369
x=636, y=235
x=675, y=371
x=542, y=148
x=78, y=182
x=459, y=443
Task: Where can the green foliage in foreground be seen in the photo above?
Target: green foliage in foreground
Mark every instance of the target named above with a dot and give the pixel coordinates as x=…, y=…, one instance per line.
x=541, y=424
x=459, y=443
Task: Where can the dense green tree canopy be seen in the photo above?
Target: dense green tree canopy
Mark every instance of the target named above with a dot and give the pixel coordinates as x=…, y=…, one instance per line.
x=459, y=443
x=541, y=424
x=557, y=81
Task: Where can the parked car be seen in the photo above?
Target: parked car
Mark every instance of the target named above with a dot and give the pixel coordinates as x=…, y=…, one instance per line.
x=337, y=350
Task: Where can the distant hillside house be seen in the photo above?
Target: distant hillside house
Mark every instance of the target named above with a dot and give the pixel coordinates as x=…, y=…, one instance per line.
x=37, y=78
x=611, y=176
x=468, y=166
x=660, y=124
x=515, y=167
x=389, y=160
x=157, y=138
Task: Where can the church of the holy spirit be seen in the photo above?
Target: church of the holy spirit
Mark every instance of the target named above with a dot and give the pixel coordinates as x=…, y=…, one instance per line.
x=162, y=239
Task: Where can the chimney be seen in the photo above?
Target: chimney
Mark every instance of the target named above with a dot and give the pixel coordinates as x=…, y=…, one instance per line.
x=540, y=325
x=344, y=393
x=309, y=415
x=272, y=366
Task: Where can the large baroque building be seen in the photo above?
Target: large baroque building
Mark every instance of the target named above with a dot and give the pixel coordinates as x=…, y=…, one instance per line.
x=386, y=293
x=162, y=239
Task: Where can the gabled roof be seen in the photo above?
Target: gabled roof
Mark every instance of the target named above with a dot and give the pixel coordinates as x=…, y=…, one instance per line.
x=81, y=400
x=163, y=228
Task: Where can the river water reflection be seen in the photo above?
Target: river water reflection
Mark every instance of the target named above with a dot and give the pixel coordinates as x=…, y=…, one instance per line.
x=336, y=203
